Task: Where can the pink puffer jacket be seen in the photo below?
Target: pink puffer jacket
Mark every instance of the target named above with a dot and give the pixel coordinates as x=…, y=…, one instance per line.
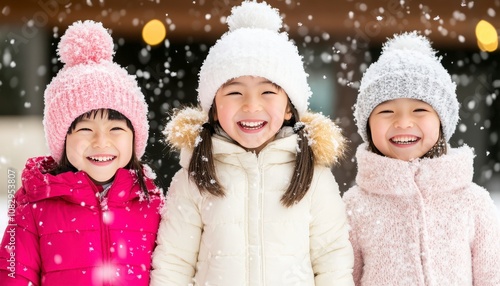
x=64, y=235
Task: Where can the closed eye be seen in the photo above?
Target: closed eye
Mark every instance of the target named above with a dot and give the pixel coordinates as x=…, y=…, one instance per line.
x=269, y=92
x=117, y=128
x=234, y=93
x=385, y=111
x=420, y=110
x=83, y=129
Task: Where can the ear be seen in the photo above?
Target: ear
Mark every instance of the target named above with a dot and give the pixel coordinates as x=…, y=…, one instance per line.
x=288, y=113
x=213, y=111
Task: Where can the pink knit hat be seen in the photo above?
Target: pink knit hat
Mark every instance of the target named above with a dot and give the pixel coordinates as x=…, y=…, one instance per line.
x=90, y=80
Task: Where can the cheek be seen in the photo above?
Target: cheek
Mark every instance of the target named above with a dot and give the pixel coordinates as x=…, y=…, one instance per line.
x=435, y=137
x=222, y=118
x=72, y=146
x=126, y=144
x=280, y=108
x=277, y=112
x=219, y=106
x=73, y=153
x=127, y=148
x=225, y=116
x=219, y=110
x=377, y=129
x=378, y=139
x=433, y=128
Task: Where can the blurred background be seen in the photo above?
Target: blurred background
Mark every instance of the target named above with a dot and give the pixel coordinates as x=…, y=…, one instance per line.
x=164, y=42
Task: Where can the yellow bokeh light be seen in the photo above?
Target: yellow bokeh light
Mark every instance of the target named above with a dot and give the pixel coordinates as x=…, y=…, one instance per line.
x=154, y=32
x=487, y=36
x=489, y=47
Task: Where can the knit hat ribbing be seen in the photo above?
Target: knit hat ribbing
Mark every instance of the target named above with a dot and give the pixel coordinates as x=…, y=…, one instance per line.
x=253, y=46
x=90, y=80
x=408, y=68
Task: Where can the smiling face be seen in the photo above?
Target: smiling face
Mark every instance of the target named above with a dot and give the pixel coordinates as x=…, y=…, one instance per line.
x=251, y=110
x=404, y=128
x=100, y=146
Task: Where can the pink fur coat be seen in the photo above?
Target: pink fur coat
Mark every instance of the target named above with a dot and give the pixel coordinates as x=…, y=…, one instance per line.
x=422, y=222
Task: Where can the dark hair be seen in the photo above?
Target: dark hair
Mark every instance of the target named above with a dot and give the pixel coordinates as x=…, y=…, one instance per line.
x=134, y=164
x=439, y=149
x=202, y=171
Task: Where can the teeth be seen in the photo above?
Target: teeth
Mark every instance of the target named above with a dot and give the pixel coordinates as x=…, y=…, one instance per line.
x=404, y=139
x=102, y=159
x=253, y=124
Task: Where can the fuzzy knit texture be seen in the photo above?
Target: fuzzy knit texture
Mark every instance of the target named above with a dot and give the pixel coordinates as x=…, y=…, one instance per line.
x=253, y=46
x=422, y=222
x=65, y=235
x=407, y=68
x=90, y=80
x=248, y=237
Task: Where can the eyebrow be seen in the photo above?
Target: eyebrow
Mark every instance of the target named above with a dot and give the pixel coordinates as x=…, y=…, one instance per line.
x=232, y=83
x=236, y=82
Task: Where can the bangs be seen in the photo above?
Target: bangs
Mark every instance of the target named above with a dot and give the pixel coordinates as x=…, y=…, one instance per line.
x=104, y=113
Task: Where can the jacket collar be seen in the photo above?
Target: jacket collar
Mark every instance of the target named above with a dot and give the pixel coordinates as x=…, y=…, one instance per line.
x=387, y=176
x=75, y=187
x=325, y=137
x=225, y=149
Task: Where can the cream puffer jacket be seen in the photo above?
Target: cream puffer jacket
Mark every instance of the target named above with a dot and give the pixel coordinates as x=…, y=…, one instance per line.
x=248, y=237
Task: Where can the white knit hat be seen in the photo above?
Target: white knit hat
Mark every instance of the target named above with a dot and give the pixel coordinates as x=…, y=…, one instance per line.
x=253, y=46
x=408, y=68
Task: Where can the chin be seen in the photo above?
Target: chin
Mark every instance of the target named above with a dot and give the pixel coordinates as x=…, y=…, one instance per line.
x=102, y=181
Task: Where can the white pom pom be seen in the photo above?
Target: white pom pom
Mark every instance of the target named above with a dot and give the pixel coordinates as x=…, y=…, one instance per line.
x=254, y=15
x=410, y=41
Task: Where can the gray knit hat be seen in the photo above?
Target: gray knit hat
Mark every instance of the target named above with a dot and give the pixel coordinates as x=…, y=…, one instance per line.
x=408, y=68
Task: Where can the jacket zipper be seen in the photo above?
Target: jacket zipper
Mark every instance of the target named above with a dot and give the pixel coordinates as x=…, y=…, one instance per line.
x=424, y=253
x=104, y=238
x=247, y=232
x=261, y=220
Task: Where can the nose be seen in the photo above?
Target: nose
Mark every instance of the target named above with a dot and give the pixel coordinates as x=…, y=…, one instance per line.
x=252, y=104
x=403, y=121
x=101, y=140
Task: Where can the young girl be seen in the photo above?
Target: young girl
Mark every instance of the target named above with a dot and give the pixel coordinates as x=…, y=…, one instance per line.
x=255, y=202
x=416, y=217
x=89, y=214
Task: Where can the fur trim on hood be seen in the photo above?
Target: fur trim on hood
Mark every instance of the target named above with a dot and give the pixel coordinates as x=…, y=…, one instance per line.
x=325, y=137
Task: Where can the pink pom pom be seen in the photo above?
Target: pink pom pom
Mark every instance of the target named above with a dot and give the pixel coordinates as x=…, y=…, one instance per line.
x=85, y=42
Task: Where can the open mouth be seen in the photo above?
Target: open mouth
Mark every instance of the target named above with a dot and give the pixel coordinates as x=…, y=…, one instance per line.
x=404, y=140
x=252, y=125
x=101, y=158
